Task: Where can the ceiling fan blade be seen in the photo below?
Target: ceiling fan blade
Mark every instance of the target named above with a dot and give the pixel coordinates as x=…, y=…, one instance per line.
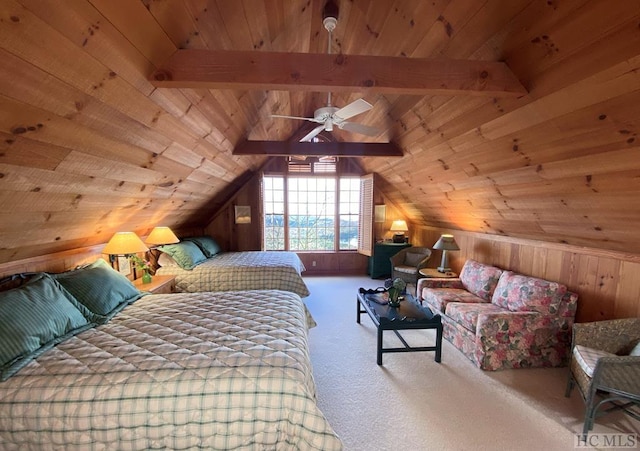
x=310, y=119
x=312, y=134
x=354, y=127
x=353, y=109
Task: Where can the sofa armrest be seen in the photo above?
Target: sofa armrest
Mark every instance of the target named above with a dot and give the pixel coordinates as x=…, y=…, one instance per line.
x=436, y=282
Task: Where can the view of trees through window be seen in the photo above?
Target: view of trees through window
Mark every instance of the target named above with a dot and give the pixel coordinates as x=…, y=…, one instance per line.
x=308, y=213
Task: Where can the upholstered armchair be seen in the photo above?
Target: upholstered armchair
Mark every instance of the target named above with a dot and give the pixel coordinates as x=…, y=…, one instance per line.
x=406, y=263
x=605, y=365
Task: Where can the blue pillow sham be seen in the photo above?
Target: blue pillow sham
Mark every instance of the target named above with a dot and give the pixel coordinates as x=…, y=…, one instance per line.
x=186, y=254
x=207, y=245
x=34, y=318
x=100, y=288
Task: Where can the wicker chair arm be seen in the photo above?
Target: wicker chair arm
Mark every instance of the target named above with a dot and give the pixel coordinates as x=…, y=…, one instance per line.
x=619, y=374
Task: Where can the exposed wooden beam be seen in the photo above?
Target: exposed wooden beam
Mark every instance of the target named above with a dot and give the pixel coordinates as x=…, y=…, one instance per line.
x=195, y=68
x=341, y=149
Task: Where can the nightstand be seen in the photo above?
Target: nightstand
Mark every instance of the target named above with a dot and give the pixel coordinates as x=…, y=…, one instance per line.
x=434, y=273
x=159, y=284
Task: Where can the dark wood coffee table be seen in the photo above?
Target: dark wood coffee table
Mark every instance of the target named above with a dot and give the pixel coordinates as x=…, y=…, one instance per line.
x=410, y=315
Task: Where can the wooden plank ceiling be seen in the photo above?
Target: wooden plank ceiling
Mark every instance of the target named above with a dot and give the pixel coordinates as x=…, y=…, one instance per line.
x=90, y=147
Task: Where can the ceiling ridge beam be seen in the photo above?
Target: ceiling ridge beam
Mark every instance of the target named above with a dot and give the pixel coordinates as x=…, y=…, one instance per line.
x=247, y=70
x=317, y=149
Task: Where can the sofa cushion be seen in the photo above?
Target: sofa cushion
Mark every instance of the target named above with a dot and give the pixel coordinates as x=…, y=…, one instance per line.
x=480, y=279
x=438, y=298
x=520, y=293
x=466, y=314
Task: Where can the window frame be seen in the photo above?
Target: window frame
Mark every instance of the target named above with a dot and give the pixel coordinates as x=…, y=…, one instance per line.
x=286, y=177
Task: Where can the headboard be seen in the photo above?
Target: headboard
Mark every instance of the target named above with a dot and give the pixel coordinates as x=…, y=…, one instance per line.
x=57, y=262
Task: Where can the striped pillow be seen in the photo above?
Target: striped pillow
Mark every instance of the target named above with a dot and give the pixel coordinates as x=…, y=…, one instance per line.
x=207, y=245
x=34, y=318
x=185, y=253
x=100, y=288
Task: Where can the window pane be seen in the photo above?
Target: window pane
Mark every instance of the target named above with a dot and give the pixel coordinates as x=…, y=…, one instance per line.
x=349, y=212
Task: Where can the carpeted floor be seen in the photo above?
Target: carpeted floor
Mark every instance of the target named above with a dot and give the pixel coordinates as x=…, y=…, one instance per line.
x=414, y=403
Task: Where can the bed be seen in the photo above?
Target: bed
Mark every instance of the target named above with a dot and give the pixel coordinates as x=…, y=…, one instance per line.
x=197, y=270
x=178, y=371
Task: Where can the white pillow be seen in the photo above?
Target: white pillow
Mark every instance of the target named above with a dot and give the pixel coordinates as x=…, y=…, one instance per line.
x=636, y=350
x=166, y=260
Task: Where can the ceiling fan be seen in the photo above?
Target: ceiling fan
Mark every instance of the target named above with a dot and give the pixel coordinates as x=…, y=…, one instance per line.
x=330, y=116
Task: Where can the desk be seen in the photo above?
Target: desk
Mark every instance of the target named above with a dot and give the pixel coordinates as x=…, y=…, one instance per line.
x=434, y=273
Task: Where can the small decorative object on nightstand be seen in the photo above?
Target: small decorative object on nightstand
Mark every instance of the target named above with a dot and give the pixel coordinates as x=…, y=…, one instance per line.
x=159, y=285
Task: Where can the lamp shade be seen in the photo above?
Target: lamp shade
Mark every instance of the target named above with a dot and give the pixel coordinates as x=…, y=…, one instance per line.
x=399, y=225
x=124, y=243
x=446, y=243
x=162, y=235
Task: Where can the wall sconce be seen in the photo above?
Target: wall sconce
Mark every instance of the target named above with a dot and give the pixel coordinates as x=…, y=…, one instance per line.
x=445, y=243
x=124, y=244
x=400, y=227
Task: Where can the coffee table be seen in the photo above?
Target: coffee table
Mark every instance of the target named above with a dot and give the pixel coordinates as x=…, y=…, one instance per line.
x=409, y=315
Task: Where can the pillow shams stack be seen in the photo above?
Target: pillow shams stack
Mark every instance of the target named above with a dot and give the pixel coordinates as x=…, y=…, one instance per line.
x=34, y=318
x=186, y=254
x=207, y=245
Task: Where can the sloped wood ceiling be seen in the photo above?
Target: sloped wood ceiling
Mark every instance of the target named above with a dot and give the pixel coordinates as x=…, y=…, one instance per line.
x=89, y=146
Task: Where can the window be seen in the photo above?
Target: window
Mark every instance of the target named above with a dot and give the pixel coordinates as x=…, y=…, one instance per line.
x=311, y=212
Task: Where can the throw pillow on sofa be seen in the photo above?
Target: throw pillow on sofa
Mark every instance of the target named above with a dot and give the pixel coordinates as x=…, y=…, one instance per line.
x=520, y=293
x=480, y=279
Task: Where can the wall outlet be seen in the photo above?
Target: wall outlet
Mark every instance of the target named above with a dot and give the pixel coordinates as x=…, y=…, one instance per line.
x=313, y=263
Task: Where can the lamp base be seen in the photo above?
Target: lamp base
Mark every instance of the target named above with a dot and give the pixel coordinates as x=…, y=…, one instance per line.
x=398, y=238
x=443, y=269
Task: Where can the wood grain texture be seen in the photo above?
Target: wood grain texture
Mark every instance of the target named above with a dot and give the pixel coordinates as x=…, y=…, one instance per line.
x=89, y=146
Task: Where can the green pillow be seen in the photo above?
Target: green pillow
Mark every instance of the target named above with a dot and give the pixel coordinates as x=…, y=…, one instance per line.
x=186, y=254
x=207, y=245
x=100, y=288
x=34, y=318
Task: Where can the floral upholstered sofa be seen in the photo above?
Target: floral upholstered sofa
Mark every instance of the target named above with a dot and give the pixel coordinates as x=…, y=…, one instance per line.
x=500, y=319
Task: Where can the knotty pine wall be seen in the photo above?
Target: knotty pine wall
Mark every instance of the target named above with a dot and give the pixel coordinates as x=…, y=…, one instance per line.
x=607, y=282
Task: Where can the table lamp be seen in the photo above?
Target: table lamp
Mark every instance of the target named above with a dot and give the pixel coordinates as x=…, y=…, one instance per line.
x=124, y=243
x=161, y=235
x=445, y=243
x=399, y=226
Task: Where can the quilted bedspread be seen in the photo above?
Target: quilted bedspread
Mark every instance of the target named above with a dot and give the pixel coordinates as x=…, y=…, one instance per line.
x=177, y=371
x=251, y=270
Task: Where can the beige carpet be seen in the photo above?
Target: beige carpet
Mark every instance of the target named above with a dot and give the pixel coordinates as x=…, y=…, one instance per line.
x=414, y=403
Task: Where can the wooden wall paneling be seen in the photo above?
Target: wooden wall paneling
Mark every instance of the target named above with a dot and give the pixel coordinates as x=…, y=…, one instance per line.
x=133, y=20
x=19, y=151
x=177, y=22
x=605, y=281
x=87, y=28
x=55, y=262
x=627, y=290
x=570, y=35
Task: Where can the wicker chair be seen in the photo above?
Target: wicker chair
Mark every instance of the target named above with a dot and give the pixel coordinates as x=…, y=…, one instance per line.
x=406, y=263
x=615, y=379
